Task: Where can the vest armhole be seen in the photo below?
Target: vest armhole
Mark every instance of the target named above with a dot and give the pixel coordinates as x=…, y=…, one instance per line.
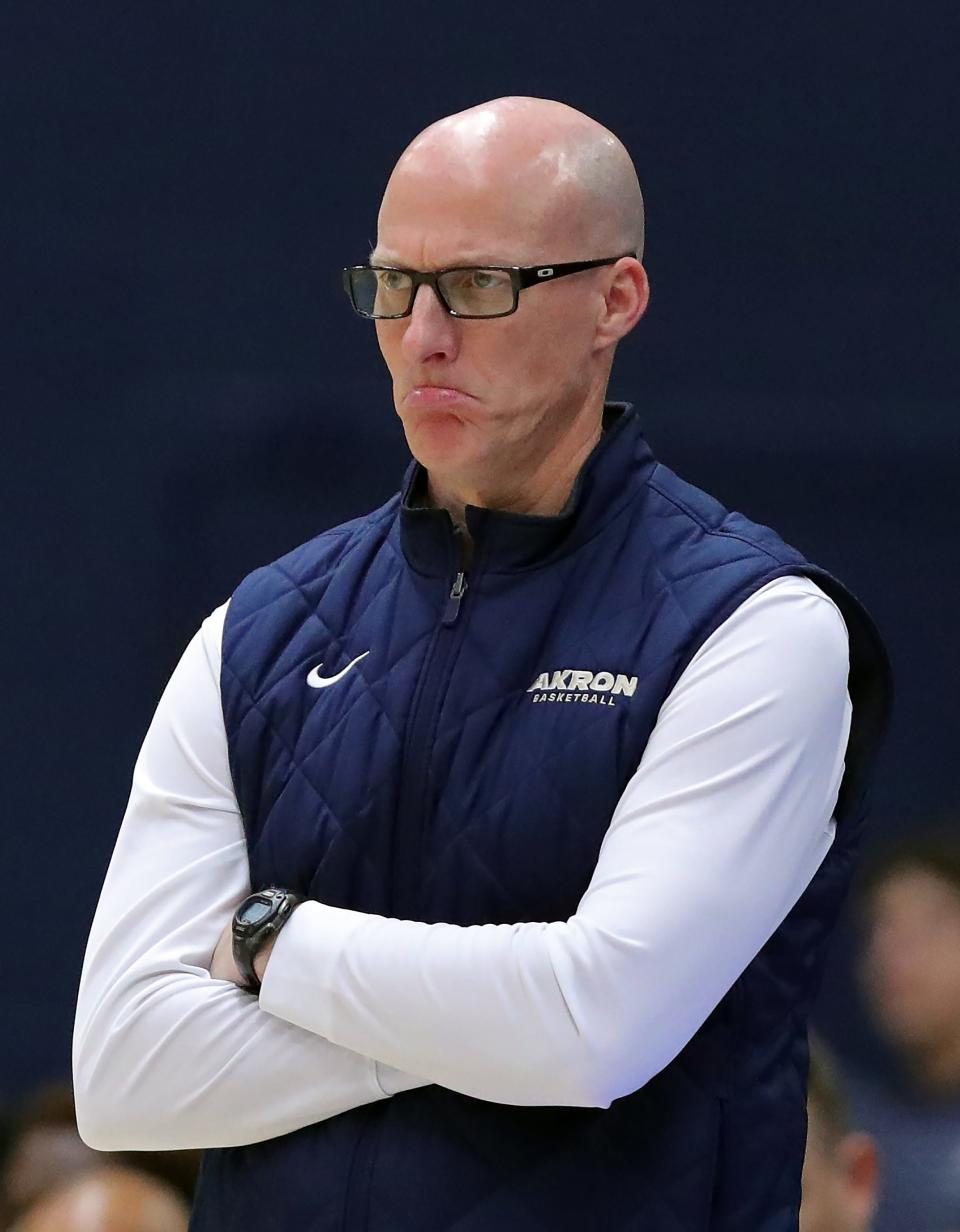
x=870, y=679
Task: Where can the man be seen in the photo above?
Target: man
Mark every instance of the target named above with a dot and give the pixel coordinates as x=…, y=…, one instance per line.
x=44, y=1150
x=553, y=745
x=908, y=907
x=840, y=1167
x=113, y=1199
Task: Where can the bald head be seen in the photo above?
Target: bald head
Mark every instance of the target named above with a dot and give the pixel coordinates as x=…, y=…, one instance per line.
x=109, y=1200
x=565, y=179
x=502, y=411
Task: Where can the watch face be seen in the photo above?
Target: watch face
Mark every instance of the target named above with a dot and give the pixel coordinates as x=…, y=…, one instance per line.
x=253, y=912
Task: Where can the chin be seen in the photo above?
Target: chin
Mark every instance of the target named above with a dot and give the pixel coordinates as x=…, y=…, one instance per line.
x=440, y=440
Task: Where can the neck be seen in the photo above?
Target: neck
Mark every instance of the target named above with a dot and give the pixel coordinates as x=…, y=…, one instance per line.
x=543, y=488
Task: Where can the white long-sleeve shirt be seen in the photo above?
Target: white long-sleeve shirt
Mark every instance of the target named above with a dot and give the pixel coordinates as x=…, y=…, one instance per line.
x=717, y=834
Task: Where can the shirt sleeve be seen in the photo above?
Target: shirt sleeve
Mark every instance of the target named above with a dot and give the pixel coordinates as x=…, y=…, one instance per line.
x=719, y=831
x=165, y=1056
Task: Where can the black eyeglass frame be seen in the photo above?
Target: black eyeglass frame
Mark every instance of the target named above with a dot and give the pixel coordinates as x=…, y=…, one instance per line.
x=521, y=277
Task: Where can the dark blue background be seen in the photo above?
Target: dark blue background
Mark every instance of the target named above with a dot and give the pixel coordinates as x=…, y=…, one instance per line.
x=186, y=394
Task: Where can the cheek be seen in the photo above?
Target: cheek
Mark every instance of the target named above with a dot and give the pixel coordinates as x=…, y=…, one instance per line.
x=388, y=339
x=549, y=349
x=915, y=976
x=944, y=972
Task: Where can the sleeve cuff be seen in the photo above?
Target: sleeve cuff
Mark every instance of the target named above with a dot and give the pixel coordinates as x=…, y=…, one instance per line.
x=299, y=982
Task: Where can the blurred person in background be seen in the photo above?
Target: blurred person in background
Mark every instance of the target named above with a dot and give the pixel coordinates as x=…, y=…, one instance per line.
x=840, y=1171
x=908, y=909
x=111, y=1199
x=45, y=1151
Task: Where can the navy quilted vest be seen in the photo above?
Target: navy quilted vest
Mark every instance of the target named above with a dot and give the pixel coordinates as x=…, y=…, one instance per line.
x=431, y=786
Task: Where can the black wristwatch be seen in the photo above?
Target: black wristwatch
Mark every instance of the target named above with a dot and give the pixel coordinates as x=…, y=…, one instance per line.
x=258, y=918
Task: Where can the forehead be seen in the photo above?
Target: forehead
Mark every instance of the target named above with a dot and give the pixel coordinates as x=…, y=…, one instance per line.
x=914, y=891
x=429, y=222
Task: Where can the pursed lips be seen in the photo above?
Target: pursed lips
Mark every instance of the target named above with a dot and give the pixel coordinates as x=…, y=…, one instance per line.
x=436, y=395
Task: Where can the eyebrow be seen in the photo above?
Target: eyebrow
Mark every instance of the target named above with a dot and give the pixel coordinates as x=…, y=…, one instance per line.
x=471, y=259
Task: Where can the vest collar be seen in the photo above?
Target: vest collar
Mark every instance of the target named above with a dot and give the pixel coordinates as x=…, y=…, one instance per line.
x=508, y=542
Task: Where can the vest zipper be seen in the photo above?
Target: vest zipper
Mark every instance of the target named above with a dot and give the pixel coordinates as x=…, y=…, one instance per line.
x=357, y=1189
x=411, y=821
x=413, y=807
x=452, y=607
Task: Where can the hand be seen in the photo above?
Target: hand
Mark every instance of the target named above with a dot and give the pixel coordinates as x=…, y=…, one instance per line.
x=223, y=967
x=262, y=957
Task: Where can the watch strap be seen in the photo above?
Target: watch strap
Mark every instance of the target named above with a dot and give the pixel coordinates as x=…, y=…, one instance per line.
x=250, y=938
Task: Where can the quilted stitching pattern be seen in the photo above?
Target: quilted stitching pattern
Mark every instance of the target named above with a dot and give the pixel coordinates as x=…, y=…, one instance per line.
x=716, y=1139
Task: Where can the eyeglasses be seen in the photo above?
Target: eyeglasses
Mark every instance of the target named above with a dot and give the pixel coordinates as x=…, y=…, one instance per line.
x=384, y=293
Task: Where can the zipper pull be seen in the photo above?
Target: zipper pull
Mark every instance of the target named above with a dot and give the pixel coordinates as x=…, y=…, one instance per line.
x=451, y=609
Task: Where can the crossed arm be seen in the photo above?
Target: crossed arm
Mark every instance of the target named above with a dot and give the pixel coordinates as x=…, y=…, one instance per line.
x=721, y=828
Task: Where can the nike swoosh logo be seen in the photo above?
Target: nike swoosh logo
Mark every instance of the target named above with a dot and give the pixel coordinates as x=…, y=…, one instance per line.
x=316, y=681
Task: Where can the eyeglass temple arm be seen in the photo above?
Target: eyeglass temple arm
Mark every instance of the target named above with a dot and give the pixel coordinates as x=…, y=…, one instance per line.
x=544, y=273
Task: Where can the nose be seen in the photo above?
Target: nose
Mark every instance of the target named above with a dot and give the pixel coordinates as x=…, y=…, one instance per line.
x=431, y=333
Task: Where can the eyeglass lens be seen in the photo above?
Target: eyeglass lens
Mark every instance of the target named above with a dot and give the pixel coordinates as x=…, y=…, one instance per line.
x=473, y=292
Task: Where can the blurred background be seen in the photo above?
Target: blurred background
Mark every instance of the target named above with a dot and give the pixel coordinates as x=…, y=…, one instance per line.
x=186, y=393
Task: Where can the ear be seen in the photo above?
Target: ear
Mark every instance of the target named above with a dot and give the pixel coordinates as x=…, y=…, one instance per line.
x=625, y=301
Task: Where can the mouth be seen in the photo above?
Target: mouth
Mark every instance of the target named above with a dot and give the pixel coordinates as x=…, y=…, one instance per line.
x=440, y=396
